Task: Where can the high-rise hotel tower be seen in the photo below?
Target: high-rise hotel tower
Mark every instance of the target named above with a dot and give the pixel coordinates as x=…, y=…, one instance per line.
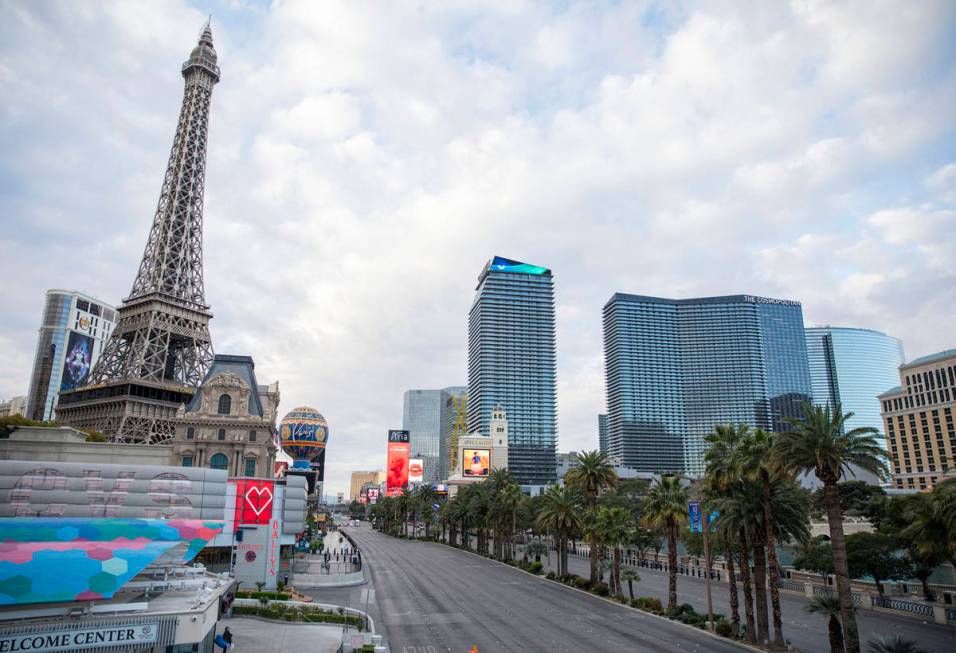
x=675, y=369
x=511, y=362
x=160, y=349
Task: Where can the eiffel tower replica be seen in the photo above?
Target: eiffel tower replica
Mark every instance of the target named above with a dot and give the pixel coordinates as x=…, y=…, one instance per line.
x=160, y=348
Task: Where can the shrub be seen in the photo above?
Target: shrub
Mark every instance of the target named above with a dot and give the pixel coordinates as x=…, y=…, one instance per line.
x=650, y=604
x=601, y=589
x=581, y=583
x=620, y=598
x=535, y=567
x=550, y=575
x=723, y=628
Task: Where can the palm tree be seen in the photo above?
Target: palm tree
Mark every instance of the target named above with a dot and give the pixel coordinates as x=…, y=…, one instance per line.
x=820, y=443
x=536, y=548
x=719, y=480
x=895, y=644
x=828, y=604
x=930, y=528
x=592, y=475
x=559, y=514
x=616, y=527
x=666, y=508
x=630, y=576
x=752, y=459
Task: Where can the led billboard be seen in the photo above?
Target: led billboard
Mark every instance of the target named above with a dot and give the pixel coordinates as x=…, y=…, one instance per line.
x=372, y=495
x=78, y=361
x=476, y=462
x=253, y=501
x=396, y=475
x=416, y=470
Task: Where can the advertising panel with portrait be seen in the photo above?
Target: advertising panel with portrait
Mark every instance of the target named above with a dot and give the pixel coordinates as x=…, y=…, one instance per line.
x=476, y=462
x=78, y=361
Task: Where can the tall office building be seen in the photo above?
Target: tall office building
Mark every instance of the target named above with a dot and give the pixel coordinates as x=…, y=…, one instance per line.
x=602, y=434
x=852, y=367
x=677, y=368
x=74, y=329
x=454, y=426
x=511, y=362
x=918, y=422
x=421, y=417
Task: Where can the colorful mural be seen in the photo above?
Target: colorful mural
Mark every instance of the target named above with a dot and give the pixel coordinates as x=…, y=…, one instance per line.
x=45, y=560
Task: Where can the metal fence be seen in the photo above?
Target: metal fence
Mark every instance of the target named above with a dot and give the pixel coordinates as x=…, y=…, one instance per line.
x=903, y=606
x=792, y=585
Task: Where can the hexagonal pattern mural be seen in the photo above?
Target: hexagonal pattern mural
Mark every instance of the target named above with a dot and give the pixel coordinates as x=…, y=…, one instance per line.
x=46, y=560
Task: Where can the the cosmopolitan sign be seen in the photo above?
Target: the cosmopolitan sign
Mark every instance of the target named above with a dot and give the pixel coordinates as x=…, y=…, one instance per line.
x=770, y=300
x=73, y=640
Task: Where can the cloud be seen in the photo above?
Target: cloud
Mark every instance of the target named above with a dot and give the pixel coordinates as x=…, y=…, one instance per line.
x=366, y=160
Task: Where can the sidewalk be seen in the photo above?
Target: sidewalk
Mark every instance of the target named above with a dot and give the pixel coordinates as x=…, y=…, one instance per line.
x=262, y=635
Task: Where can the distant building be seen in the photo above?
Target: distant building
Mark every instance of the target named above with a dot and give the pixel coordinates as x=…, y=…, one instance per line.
x=480, y=454
x=424, y=416
x=602, y=434
x=73, y=331
x=362, y=479
x=511, y=362
x=675, y=369
x=14, y=406
x=454, y=426
x=230, y=424
x=918, y=421
x=852, y=367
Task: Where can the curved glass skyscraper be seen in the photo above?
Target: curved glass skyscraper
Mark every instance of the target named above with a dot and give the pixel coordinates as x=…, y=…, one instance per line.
x=853, y=367
x=511, y=361
x=675, y=369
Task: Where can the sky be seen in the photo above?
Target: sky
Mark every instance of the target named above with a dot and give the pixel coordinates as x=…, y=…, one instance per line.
x=366, y=159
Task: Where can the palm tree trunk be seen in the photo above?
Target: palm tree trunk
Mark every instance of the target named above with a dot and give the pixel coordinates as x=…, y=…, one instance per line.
x=593, y=541
x=851, y=635
x=734, y=611
x=836, y=635
x=617, y=570
x=630, y=588
x=773, y=566
x=760, y=592
x=563, y=560
x=672, y=566
x=748, y=588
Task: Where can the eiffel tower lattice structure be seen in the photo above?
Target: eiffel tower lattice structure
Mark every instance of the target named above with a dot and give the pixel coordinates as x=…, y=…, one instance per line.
x=160, y=349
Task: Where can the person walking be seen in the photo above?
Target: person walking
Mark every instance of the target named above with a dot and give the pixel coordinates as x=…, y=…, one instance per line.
x=227, y=635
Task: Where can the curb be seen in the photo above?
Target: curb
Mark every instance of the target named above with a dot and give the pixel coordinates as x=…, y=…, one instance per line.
x=743, y=645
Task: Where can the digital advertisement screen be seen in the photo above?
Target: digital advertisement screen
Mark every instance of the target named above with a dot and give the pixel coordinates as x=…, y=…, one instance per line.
x=78, y=361
x=372, y=494
x=416, y=470
x=476, y=462
x=396, y=475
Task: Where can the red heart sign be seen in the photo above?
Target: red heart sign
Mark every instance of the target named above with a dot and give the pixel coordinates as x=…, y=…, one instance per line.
x=254, y=501
x=258, y=499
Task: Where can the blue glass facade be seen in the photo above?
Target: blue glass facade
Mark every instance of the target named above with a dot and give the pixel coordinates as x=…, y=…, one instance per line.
x=602, y=434
x=677, y=368
x=424, y=417
x=511, y=361
x=852, y=367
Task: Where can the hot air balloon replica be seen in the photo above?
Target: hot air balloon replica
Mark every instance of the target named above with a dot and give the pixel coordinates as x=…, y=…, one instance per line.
x=303, y=434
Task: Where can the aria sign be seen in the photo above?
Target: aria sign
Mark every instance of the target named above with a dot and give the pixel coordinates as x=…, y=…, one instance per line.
x=72, y=640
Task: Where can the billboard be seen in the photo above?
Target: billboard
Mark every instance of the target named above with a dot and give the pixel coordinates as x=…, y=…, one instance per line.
x=372, y=495
x=416, y=470
x=396, y=475
x=78, y=361
x=476, y=462
x=254, y=499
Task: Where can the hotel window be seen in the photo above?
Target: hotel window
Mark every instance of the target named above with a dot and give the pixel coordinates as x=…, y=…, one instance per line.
x=219, y=461
x=221, y=435
x=250, y=467
x=187, y=461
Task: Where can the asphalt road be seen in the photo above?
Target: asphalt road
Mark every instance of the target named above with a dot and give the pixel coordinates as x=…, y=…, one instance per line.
x=807, y=632
x=435, y=599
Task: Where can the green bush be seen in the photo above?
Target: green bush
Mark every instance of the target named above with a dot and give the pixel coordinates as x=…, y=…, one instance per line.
x=535, y=567
x=620, y=598
x=582, y=583
x=650, y=604
x=601, y=589
x=550, y=575
x=723, y=628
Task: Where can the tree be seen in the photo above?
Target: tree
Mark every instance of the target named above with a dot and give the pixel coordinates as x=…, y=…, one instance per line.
x=855, y=497
x=874, y=554
x=815, y=555
x=631, y=577
x=895, y=644
x=592, y=475
x=615, y=529
x=666, y=508
x=753, y=460
x=536, y=548
x=829, y=605
x=356, y=509
x=820, y=443
x=559, y=515
x=929, y=525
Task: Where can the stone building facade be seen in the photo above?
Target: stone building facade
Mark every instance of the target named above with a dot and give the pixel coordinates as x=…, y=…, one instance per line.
x=231, y=422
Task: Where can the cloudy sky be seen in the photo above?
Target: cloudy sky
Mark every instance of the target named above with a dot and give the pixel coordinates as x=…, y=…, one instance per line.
x=366, y=159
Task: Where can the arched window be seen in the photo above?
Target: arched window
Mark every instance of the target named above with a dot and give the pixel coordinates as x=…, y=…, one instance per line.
x=190, y=433
x=225, y=404
x=222, y=434
x=219, y=461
